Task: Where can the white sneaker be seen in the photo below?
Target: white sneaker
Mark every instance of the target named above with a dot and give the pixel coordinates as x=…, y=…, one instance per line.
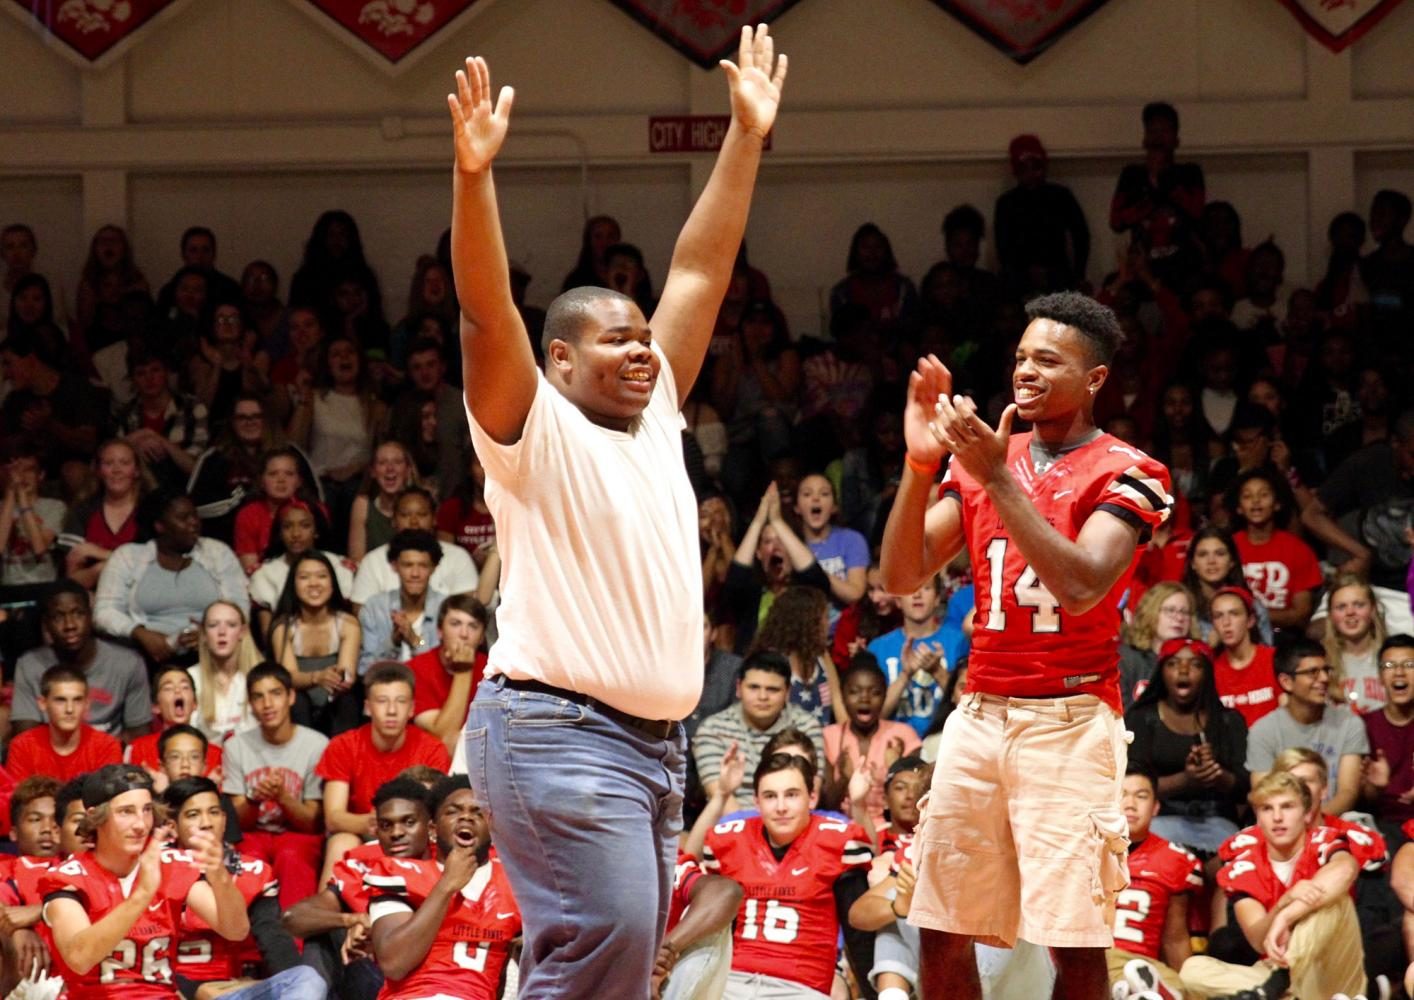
x=1142, y=978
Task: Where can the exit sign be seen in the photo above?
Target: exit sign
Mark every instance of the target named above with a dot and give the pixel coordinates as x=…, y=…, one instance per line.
x=689, y=133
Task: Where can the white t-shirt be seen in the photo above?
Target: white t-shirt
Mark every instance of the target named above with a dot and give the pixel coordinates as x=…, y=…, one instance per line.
x=455, y=573
x=601, y=578
x=232, y=710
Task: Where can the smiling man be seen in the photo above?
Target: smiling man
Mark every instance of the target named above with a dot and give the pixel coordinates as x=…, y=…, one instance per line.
x=586, y=480
x=1029, y=803
x=794, y=868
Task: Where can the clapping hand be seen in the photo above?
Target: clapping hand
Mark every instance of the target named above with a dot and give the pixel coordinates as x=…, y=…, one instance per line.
x=732, y=773
x=981, y=450
x=478, y=130
x=756, y=79
x=930, y=382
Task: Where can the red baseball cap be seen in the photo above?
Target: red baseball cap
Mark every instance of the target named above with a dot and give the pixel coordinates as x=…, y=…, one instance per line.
x=1172, y=647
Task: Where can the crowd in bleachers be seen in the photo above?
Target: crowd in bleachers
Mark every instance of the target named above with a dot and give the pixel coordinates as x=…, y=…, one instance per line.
x=245, y=551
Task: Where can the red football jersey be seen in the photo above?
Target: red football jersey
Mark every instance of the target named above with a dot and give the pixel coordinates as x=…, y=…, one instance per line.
x=688, y=871
x=1250, y=873
x=1023, y=644
x=1278, y=569
x=1365, y=845
x=1158, y=870
x=202, y=954
x=141, y=966
x=23, y=875
x=1253, y=690
x=347, y=875
x=473, y=943
x=787, y=925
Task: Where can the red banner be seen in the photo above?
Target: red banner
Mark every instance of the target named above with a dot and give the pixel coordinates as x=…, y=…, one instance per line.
x=91, y=32
x=1338, y=24
x=1023, y=29
x=705, y=31
x=389, y=30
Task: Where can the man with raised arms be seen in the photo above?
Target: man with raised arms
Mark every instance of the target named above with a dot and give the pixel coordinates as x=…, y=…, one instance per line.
x=572, y=742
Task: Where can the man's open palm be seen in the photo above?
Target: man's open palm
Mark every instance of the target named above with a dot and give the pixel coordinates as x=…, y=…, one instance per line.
x=477, y=129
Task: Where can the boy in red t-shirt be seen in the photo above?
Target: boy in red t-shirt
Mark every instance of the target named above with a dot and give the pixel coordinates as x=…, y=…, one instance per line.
x=446, y=677
x=1244, y=670
x=356, y=763
x=66, y=746
x=1280, y=568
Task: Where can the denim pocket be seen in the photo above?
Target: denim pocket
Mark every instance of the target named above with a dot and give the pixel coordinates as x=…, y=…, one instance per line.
x=529, y=710
x=474, y=743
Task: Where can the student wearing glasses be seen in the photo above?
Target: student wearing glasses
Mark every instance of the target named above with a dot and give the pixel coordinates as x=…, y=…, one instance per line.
x=1389, y=781
x=1309, y=720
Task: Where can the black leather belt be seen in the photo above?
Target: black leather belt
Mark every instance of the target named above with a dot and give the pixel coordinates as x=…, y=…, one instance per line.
x=659, y=729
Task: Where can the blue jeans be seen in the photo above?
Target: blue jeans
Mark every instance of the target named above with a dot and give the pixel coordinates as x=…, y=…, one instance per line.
x=298, y=983
x=585, y=814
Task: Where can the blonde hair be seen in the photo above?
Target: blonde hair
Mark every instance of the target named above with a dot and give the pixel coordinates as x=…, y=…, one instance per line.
x=1142, y=630
x=1276, y=783
x=1331, y=640
x=247, y=658
x=1293, y=757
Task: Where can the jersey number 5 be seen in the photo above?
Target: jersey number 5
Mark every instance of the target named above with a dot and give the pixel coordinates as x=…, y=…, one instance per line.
x=1028, y=590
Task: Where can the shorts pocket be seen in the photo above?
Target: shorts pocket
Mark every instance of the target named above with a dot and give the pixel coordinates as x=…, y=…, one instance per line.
x=1111, y=873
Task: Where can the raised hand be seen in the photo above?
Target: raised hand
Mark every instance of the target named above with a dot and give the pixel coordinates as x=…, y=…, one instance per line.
x=1377, y=770
x=149, y=878
x=208, y=853
x=733, y=771
x=981, y=450
x=458, y=867
x=861, y=781
x=755, y=79
x=929, y=382
x=477, y=129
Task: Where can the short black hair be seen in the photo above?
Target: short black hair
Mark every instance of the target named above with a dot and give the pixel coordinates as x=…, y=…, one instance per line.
x=1140, y=770
x=864, y=662
x=1281, y=490
x=1252, y=417
x=445, y=788
x=1400, y=640
x=269, y=670
x=1095, y=322
x=1160, y=109
x=178, y=792
x=1346, y=219
x=36, y=786
x=414, y=490
x=41, y=342
x=967, y=219
x=571, y=310
x=389, y=672
x=1292, y=651
x=424, y=344
x=767, y=660
x=784, y=762
x=403, y=788
x=1396, y=200
x=415, y=541
x=67, y=585
x=68, y=793
x=180, y=729
x=197, y=231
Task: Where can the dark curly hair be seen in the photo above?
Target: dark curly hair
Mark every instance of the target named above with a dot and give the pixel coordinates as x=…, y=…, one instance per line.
x=792, y=626
x=1095, y=322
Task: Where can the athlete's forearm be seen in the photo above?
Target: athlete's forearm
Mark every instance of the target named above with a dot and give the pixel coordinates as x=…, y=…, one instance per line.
x=400, y=945
x=1077, y=575
x=714, y=903
x=910, y=553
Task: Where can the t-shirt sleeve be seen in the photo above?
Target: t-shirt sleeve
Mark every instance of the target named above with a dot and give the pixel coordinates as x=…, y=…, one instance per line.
x=25, y=705
x=856, y=852
x=336, y=763
x=1139, y=496
x=1354, y=737
x=233, y=769
x=247, y=540
x=137, y=702
x=1261, y=751
x=313, y=780
x=855, y=550
x=1305, y=570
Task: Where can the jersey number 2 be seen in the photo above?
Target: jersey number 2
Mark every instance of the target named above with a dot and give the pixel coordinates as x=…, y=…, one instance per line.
x=1131, y=908
x=1028, y=590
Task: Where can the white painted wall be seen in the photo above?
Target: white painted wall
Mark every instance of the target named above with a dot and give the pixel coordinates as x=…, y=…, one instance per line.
x=247, y=116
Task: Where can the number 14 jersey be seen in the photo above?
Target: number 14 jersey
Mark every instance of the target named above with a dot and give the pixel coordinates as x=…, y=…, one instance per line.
x=1023, y=644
